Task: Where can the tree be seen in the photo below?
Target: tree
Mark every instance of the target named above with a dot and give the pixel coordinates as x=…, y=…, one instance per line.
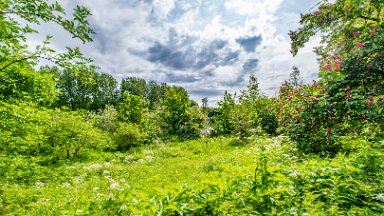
x=352, y=43
x=134, y=86
x=175, y=107
x=294, y=77
x=347, y=98
x=154, y=94
x=132, y=109
x=77, y=87
x=13, y=34
x=204, y=103
x=252, y=93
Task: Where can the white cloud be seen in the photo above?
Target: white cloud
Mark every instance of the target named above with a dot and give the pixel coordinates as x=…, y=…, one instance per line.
x=126, y=30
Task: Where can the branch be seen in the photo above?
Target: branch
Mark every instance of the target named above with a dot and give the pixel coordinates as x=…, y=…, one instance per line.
x=51, y=59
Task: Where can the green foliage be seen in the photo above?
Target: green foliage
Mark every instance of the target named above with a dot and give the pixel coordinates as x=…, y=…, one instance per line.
x=200, y=177
x=180, y=117
x=222, y=123
x=84, y=88
x=134, y=86
x=129, y=135
x=106, y=119
x=132, y=109
x=13, y=34
x=31, y=131
x=66, y=134
x=25, y=84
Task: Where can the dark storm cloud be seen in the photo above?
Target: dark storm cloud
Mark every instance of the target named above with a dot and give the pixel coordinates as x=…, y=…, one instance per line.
x=168, y=56
x=250, y=65
x=178, y=54
x=249, y=44
x=173, y=78
x=207, y=92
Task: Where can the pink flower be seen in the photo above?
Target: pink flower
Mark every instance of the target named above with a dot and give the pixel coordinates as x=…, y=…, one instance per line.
x=359, y=44
x=328, y=67
x=382, y=97
x=348, y=94
x=356, y=34
x=337, y=66
x=370, y=98
x=316, y=13
x=369, y=103
x=373, y=32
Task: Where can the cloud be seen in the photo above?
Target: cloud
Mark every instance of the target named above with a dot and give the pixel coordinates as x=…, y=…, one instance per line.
x=205, y=46
x=249, y=43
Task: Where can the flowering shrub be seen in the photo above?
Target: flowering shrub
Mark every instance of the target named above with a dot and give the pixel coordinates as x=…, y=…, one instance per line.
x=315, y=115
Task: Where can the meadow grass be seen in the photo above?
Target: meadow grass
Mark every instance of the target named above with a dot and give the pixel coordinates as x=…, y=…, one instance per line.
x=218, y=174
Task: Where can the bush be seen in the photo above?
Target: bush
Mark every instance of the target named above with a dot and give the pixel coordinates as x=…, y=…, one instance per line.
x=315, y=115
x=106, y=120
x=128, y=136
x=67, y=133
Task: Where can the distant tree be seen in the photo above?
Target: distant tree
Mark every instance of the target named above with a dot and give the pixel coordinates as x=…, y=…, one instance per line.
x=294, y=77
x=132, y=109
x=222, y=118
x=105, y=91
x=153, y=94
x=76, y=86
x=252, y=93
x=204, y=103
x=135, y=86
x=175, y=105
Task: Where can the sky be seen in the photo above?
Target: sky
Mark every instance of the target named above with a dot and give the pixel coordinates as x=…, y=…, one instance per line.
x=206, y=46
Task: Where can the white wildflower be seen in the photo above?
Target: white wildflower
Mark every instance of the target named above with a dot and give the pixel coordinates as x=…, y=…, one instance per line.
x=66, y=185
x=106, y=172
x=95, y=189
x=39, y=184
x=115, y=186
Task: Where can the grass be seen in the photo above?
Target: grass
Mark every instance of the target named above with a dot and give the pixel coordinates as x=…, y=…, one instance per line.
x=204, y=176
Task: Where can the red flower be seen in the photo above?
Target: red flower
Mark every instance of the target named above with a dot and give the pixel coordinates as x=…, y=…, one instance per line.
x=329, y=130
x=369, y=103
x=370, y=98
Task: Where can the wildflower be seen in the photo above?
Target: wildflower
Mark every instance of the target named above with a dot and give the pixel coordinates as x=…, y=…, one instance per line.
x=115, y=186
x=329, y=130
x=360, y=44
x=337, y=66
x=356, y=34
x=348, y=94
x=373, y=32
x=370, y=98
x=369, y=103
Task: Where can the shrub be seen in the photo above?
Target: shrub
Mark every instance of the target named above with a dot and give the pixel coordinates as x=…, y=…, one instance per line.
x=106, y=120
x=67, y=133
x=128, y=136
